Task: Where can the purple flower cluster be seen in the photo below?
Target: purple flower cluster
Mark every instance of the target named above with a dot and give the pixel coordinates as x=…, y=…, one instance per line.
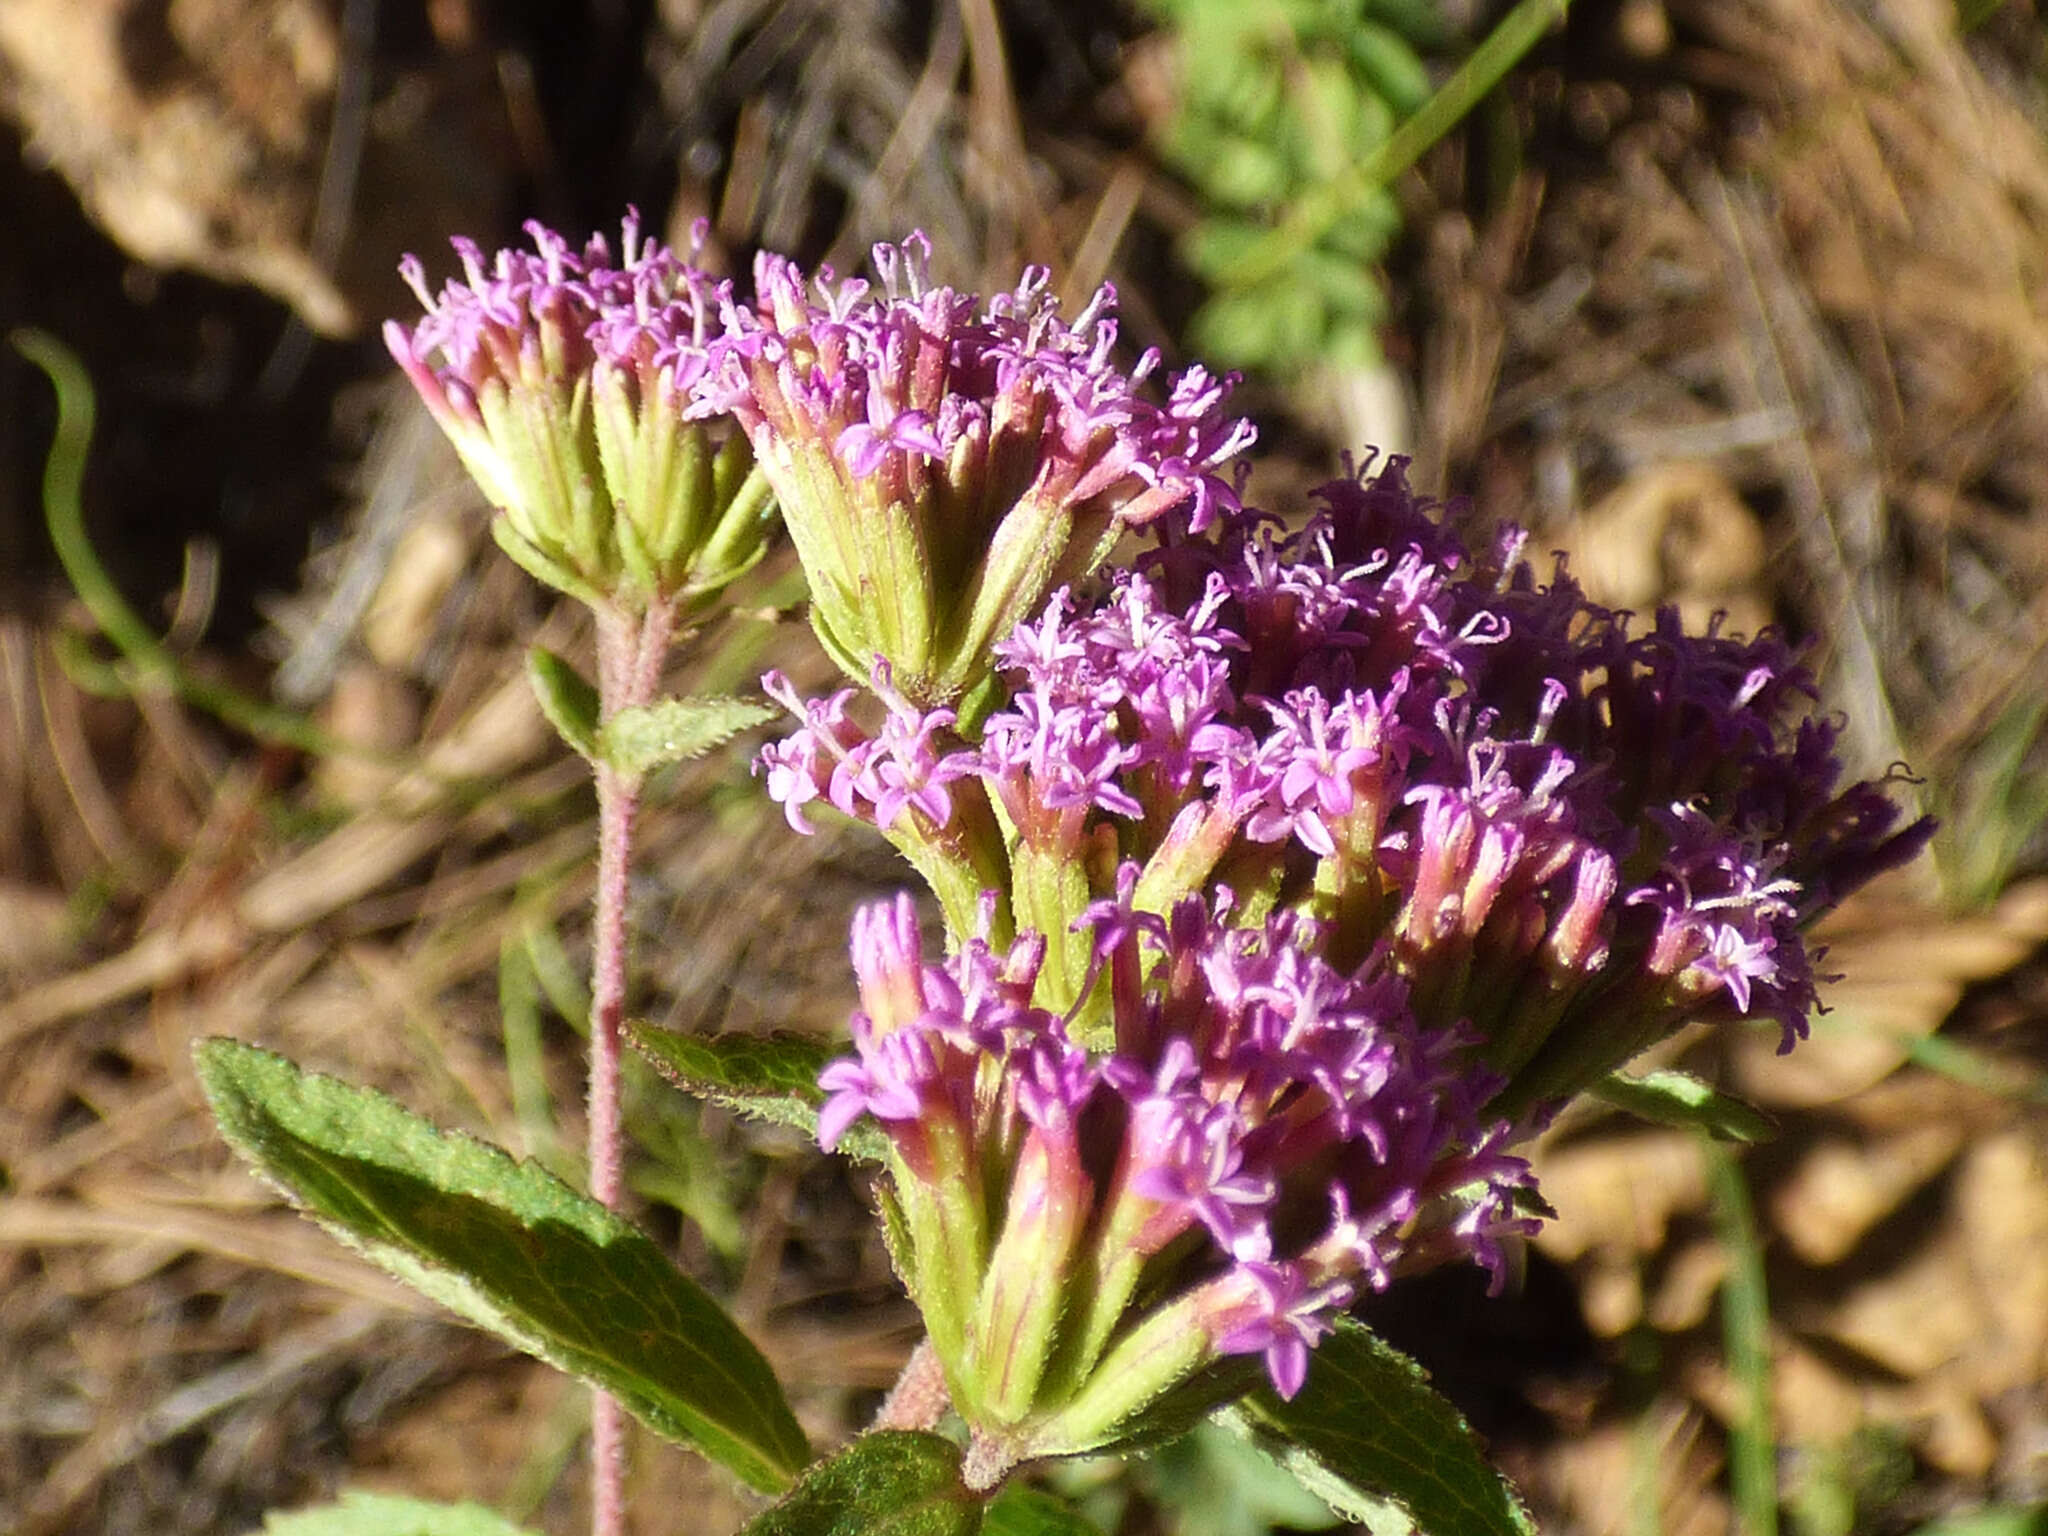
x=554, y=312
x=943, y=463
x=564, y=379
x=1266, y=1138
x=1290, y=871
x=873, y=778
x=896, y=383
x=1568, y=835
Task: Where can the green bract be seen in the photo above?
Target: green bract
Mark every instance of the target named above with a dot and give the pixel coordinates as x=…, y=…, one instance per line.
x=563, y=381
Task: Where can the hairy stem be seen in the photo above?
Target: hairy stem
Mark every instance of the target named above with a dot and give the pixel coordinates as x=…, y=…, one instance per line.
x=630, y=651
x=919, y=1398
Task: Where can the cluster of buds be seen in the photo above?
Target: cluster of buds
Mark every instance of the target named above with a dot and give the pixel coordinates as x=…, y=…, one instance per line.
x=1457, y=806
x=943, y=465
x=1092, y=1235
x=566, y=382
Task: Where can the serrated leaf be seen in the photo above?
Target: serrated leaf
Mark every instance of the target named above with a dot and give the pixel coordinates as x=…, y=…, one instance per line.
x=770, y=1077
x=514, y=1250
x=1680, y=1099
x=1021, y=1511
x=360, y=1513
x=650, y=736
x=1375, y=1441
x=566, y=698
x=889, y=1483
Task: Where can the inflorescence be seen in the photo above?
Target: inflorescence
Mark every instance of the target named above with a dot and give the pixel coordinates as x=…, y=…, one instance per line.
x=943, y=463
x=1291, y=875
x=1364, y=852
x=569, y=384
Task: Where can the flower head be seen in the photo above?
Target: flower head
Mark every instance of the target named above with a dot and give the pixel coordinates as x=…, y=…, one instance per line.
x=1260, y=1142
x=563, y=377
x=1348, y=854
x=943, y=463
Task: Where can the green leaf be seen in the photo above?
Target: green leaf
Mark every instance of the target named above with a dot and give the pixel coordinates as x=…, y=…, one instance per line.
x=1680, y=1099
x=383, y=1514
x=1993, y=1520
x=1389, y=65
x=770, y=1077
x=1375, y=1441
x=512, y=1249
x=1021, y=1511
x=566, y=698
x=889, y=1483
x=650, y=736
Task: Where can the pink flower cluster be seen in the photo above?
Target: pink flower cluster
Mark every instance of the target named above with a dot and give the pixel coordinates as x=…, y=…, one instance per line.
x=1568, y=835
x=1264, y=1139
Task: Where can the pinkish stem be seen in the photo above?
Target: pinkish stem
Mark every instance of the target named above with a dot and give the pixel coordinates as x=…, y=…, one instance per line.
x=919, y=1398
x=630, y=652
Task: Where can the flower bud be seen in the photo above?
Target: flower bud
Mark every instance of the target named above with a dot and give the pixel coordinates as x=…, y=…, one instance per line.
x=944, y=465
x=567, y=386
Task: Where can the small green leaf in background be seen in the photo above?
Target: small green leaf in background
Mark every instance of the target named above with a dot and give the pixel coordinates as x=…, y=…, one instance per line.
x=1375, y=1441
x=1210, y=1481
x=514, y=1250
x=650, y=736
x=1995, y=1521
x=1021, y=1511
x=1839, y=1486
x=383, y=1514
x=1680, y=1099
x=889, y=1483
x=1273, y=101
x=679, y=1166
x=770, y=1077
x=566, y=698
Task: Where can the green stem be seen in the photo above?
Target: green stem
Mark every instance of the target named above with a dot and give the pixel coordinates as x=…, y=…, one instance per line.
x=148, y=659
x=1745, y=1333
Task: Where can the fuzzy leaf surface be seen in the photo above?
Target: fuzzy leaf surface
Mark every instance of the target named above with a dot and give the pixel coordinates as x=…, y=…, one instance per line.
x=770, y=1077
x=1375, y=1441
x=650, y=736
x=888, y=1483
x=514, y=1250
